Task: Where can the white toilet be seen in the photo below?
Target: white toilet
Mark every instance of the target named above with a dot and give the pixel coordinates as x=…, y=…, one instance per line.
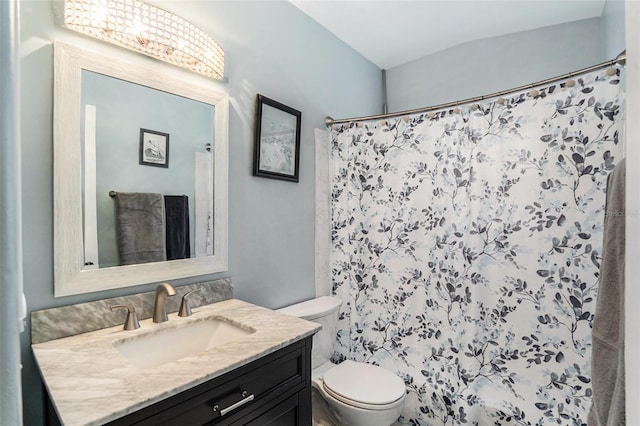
x=351, y=393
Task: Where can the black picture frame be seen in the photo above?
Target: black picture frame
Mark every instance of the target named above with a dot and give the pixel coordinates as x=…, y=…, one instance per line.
x=154, y=148
x=277, y=140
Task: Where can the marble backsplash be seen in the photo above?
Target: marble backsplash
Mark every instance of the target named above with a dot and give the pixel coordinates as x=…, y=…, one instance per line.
x=55, y=323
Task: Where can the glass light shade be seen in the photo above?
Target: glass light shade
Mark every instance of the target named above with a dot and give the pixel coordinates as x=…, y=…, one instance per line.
x=146, y=29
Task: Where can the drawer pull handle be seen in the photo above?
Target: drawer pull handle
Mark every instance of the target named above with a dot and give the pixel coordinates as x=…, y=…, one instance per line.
x=232, y=407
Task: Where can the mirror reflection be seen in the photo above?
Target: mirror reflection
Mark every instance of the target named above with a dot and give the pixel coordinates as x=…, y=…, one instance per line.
x=146, y=173
x=141, y=134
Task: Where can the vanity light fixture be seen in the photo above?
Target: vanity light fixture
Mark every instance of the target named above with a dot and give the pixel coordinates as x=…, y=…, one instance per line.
x=146, y=29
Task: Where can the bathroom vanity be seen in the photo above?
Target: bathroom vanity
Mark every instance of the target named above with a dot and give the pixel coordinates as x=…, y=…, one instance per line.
x=256, y=371
x=274, y=388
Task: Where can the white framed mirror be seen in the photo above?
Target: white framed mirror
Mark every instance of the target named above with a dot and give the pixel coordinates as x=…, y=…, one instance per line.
x=89, y=158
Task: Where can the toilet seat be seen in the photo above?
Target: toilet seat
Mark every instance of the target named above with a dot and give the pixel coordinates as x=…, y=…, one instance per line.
x=363, y=385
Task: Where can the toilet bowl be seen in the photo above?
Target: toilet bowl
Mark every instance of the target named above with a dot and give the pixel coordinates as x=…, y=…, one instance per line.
x=360, y=394
x=350, y=393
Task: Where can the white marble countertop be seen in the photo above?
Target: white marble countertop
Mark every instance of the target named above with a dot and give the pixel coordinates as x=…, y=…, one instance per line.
x=91, y=383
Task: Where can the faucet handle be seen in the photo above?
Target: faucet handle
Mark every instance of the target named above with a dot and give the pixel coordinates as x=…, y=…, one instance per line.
x=131, y=322
x=185, y=307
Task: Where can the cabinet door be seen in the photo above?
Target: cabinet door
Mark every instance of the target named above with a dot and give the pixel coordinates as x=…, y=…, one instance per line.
x=282, y=413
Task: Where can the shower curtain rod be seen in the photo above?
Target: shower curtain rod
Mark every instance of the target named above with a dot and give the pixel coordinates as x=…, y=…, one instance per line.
x=619, y=60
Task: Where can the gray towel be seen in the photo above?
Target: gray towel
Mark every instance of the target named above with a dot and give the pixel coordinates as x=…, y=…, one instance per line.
x=141, y=227
x=607, y=352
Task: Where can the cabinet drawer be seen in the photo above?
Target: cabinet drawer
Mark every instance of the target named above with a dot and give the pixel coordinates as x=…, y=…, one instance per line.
x=233, y=394
x=256, y=387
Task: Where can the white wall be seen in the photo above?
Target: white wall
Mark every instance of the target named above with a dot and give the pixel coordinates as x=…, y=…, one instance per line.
x=493, y=64
x=271, y=48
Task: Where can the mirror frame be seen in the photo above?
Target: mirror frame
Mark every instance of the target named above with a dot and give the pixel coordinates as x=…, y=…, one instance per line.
x=69, y=276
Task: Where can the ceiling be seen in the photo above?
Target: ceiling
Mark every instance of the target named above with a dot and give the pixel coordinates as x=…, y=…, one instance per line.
x=390, y=33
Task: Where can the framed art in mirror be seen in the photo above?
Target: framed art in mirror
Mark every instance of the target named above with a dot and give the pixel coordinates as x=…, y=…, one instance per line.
x=277, y=140
x=154, y=148
x=81, y=153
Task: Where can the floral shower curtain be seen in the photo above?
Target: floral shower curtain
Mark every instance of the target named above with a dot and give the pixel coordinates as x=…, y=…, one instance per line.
x=466, y=247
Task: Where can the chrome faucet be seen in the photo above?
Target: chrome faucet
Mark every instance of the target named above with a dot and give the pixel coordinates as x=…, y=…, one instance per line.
x=160, y=307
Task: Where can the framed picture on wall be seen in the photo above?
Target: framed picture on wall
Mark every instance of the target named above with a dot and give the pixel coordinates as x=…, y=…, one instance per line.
x=154, y=148
x=277, y=140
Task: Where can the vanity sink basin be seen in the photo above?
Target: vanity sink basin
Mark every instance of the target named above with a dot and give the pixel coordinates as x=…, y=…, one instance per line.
x=171, y=344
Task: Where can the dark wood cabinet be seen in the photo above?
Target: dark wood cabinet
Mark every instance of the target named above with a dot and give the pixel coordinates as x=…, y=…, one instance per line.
x=273, y=390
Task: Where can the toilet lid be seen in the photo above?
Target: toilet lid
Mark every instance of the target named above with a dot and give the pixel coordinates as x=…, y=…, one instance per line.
x=357, y=382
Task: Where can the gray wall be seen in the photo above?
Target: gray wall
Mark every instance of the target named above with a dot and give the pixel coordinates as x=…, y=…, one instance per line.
x=613, y=29
x=271, y=48
x=489, y=65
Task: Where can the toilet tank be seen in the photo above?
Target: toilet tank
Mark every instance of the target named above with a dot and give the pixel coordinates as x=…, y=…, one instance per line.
x=324, y=311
